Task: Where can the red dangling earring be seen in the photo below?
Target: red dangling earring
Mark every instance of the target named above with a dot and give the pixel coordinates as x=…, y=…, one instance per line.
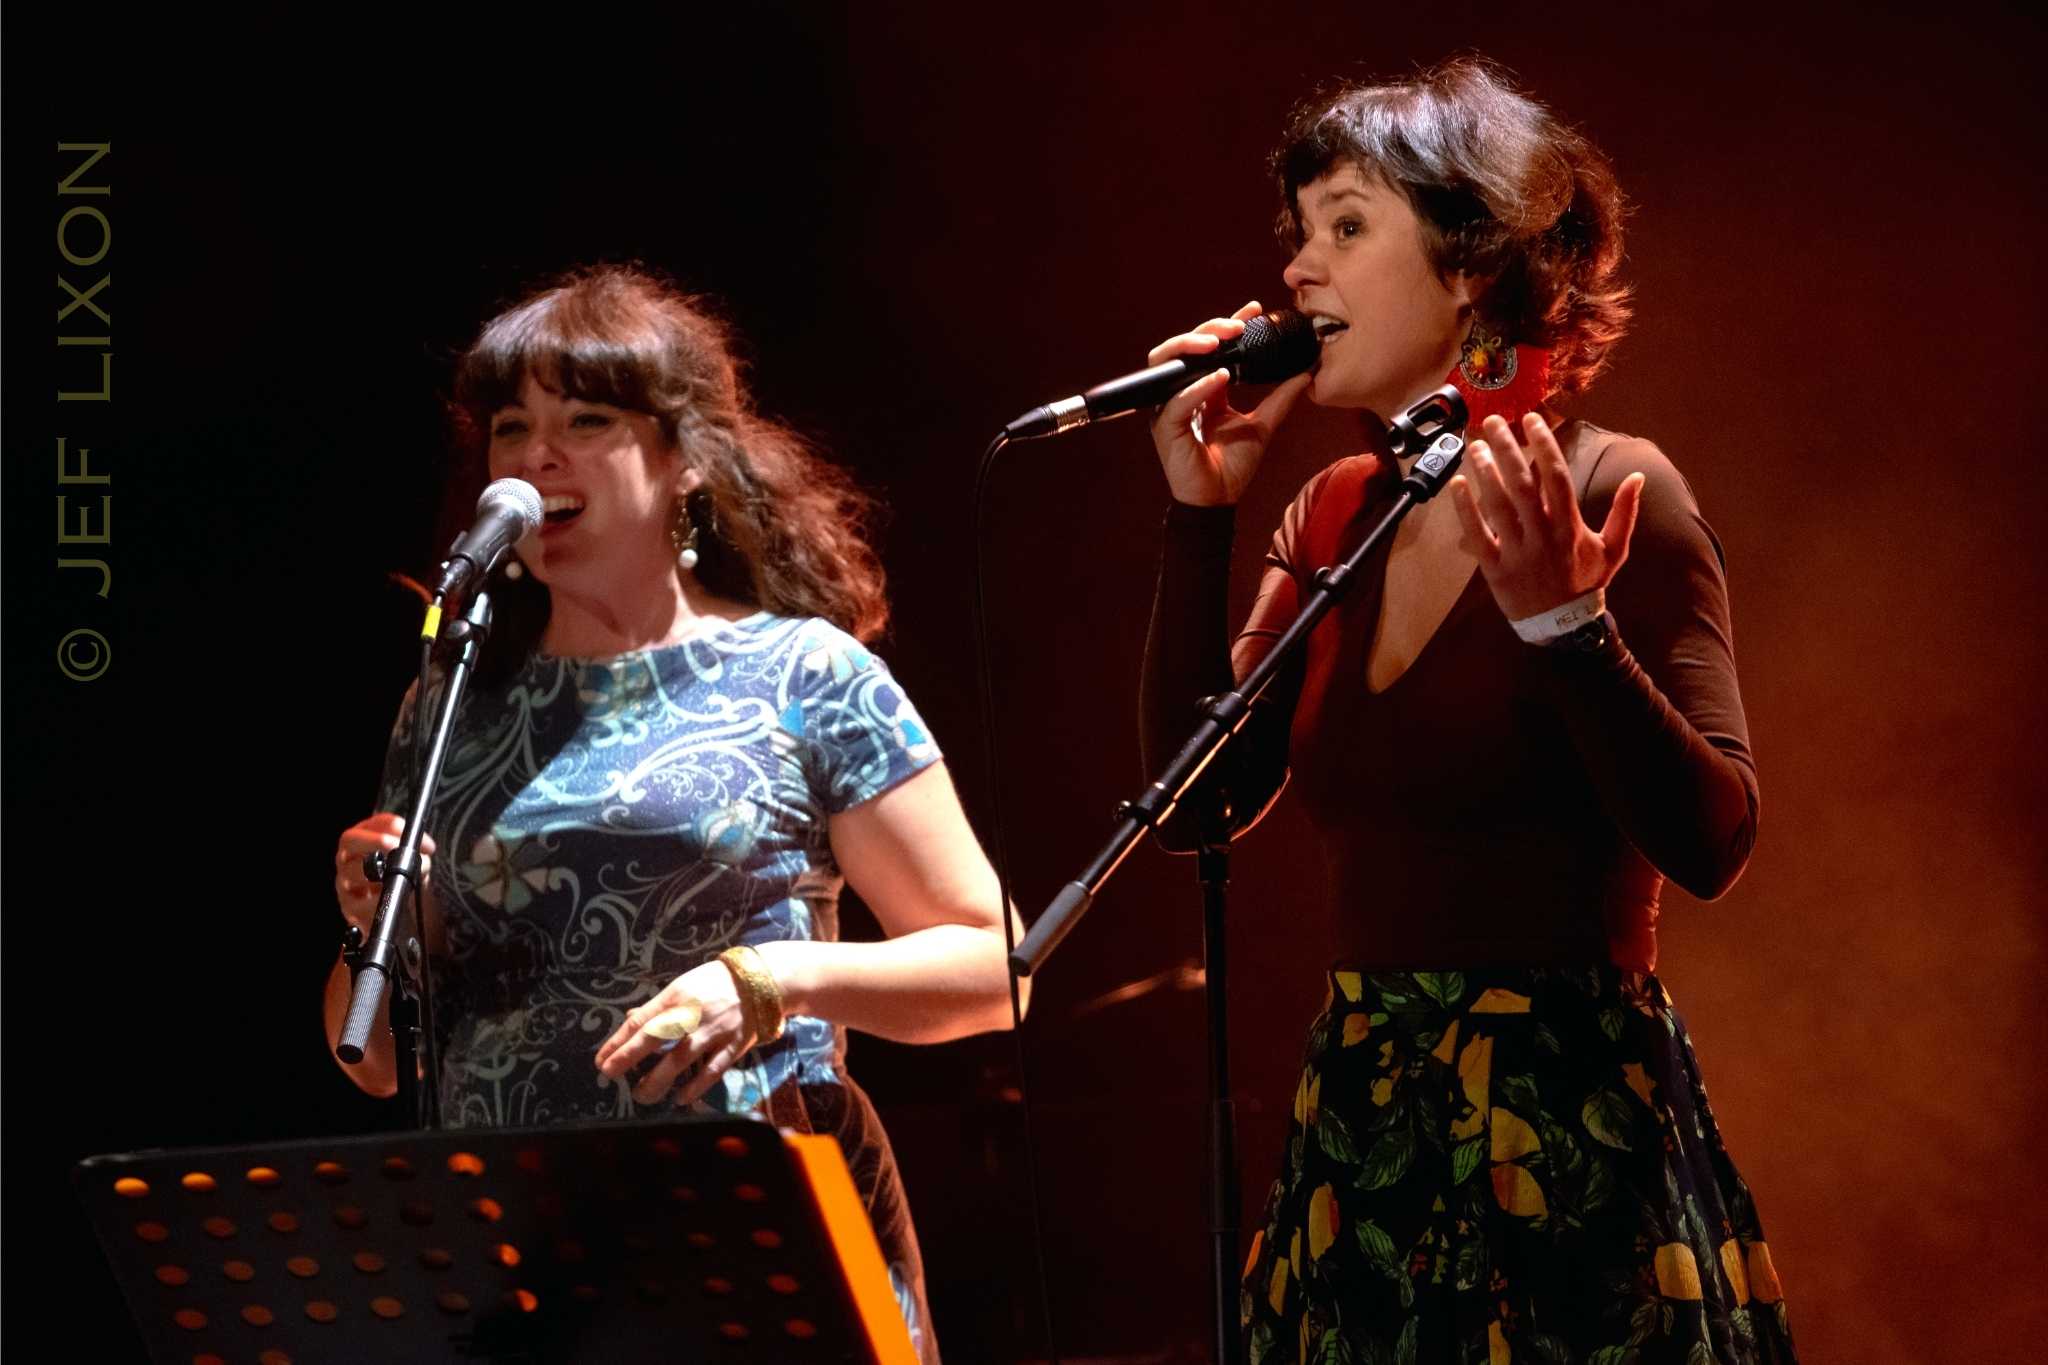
x=1496, y=377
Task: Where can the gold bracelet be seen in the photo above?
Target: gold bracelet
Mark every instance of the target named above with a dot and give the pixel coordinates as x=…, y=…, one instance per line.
x=760, y=997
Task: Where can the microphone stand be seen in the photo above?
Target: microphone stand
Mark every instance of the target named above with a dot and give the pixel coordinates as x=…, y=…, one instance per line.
x=1431, y=427
x=372, y=960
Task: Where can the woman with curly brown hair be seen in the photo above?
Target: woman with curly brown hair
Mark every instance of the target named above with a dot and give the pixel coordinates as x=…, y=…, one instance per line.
x=678, y=751
x=1523, y=720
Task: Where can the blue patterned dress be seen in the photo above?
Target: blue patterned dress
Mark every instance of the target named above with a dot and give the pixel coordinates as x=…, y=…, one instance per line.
x=604, y=825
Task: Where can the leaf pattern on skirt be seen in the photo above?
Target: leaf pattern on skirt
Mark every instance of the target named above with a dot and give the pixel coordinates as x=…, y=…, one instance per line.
x=1610, y=1225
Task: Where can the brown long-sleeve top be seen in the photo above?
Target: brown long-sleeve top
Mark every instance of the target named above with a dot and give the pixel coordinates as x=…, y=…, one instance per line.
x=1499, y=802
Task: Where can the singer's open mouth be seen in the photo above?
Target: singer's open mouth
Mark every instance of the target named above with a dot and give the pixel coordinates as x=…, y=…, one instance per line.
x=1327, y=327
x=560, y=509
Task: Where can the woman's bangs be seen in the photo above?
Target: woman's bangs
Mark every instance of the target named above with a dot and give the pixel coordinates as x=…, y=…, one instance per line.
x=580, y=362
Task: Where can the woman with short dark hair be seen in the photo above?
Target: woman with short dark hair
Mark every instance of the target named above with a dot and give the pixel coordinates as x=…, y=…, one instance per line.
x=678, y=750
x=1521, y=722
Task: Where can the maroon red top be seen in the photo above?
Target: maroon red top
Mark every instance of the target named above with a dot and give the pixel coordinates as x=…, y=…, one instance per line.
x=1500, y=802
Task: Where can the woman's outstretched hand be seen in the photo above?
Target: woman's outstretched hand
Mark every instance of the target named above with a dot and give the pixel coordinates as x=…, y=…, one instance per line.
x=1522, y=520
x=1210, y=451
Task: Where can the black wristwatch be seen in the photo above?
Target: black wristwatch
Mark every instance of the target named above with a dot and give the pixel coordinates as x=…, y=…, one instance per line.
x=1590, y=638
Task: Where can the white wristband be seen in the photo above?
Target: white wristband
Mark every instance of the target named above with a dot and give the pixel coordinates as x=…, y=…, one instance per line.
x=1559, y=622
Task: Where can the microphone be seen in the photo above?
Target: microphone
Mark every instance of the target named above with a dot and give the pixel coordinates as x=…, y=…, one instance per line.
x=508, y=510
x=1272, y=347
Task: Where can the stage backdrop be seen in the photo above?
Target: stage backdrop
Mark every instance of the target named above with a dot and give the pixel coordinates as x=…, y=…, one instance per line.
x=923, y=224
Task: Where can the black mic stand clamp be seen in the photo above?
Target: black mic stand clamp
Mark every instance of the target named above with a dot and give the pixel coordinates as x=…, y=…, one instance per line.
x=1432, y=428
x=378, y=963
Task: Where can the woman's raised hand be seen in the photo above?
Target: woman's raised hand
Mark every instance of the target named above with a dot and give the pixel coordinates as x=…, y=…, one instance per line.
x=1521, y=520
x=356, y=893
x=1210, y=451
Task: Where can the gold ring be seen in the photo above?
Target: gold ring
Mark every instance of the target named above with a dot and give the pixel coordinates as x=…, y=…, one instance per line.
x=676, y=1023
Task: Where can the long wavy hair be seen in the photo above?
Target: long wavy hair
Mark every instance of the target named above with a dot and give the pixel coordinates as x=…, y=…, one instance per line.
x=779, y=526
x=1502, y=189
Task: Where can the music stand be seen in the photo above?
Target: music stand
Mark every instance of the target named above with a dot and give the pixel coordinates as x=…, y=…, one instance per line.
x=693, y=1240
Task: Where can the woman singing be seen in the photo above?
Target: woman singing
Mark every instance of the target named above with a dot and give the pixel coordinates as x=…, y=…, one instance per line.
x=1522, y=721
x=677, y=751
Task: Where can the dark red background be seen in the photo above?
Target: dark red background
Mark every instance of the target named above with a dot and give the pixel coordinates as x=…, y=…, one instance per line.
x=924, y=224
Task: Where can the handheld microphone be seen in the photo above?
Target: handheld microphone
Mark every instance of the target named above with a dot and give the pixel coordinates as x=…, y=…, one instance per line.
x=508, y=511
x=1272, y=347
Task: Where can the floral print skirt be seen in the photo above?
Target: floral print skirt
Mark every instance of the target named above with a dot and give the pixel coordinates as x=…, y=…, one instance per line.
x=1507, y=1164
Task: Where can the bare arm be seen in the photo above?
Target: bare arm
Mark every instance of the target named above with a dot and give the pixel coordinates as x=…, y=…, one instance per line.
x=941, y=972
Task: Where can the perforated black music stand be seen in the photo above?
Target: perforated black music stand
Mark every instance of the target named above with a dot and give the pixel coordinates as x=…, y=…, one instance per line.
x=697, y=1240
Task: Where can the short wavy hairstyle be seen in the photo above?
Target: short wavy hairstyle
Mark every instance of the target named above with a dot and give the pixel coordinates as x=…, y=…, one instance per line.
x=1503, y=190
x=779, y=526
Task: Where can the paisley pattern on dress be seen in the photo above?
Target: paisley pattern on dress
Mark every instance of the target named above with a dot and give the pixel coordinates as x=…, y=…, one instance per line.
x=605, y=825
x=1508, y=1164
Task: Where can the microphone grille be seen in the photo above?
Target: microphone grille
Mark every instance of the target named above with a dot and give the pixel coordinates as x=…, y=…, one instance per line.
x=1276, y=346
x=521, y=496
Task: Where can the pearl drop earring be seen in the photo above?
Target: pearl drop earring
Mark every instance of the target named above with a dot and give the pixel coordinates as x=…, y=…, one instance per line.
x=682, y=533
